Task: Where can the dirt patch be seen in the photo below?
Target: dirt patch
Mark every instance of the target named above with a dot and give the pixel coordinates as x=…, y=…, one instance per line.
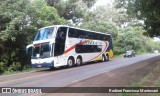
x=122, y=77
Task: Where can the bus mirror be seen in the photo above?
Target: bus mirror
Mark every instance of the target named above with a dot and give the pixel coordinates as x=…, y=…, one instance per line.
x=29, y=46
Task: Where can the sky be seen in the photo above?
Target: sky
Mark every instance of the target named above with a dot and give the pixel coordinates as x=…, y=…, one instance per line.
x=102, y=2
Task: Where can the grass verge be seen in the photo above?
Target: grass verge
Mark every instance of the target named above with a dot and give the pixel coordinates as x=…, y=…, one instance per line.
x=23, y=71
x=150, y=80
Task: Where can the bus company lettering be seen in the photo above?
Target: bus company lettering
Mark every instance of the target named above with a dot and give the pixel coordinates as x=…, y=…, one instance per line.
x=90, y=42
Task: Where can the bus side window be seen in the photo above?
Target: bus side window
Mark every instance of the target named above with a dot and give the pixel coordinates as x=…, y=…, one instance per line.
x=75, y=34
x=81, y=34
x=71, y=32
x=61, y=34
x=86, y=34
x=90, y=36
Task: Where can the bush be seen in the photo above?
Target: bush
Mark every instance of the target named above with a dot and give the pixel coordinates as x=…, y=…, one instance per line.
x=1, y=67
x=16, y=66
x=26, y=67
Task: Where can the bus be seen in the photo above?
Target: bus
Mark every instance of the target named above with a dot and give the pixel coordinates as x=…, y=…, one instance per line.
x=62, y=45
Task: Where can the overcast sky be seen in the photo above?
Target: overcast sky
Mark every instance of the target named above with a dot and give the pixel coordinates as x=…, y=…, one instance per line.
x=103, y=2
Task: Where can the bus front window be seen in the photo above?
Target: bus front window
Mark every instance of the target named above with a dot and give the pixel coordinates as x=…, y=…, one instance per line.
x=41, y=51
x=46, y=33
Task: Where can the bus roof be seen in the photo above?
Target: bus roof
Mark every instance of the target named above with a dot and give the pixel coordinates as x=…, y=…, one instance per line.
x=74, y=28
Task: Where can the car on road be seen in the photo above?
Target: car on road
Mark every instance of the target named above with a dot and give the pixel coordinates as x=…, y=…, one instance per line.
x=156, y=51
x=129, y=53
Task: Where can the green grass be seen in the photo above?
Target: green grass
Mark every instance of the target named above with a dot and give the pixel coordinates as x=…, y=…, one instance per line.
x=23, y=71
x=118, y=56
x=144, y=80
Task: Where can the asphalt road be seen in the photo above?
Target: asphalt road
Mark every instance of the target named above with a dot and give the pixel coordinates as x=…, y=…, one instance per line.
x=65, y=77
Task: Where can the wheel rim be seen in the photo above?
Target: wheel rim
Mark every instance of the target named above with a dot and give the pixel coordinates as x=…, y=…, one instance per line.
x=70, y=62
x=107, y=57
x=102, y=58
x=78, y=61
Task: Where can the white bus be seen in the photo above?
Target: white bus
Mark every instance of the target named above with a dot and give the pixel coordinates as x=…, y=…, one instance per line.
x=61, y=45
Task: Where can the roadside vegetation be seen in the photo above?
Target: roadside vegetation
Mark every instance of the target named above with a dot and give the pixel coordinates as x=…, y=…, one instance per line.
x=152, y=79
x=19, y=20
x=23, y=71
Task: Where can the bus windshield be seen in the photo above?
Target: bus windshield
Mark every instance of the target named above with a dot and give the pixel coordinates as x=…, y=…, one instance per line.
x=41, y=51
x=46, y=33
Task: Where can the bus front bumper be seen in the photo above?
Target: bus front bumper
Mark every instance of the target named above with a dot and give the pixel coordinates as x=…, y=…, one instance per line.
x=42, y=65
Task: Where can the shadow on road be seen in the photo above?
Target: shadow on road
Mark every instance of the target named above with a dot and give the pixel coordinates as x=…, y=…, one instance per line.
x=65, y=67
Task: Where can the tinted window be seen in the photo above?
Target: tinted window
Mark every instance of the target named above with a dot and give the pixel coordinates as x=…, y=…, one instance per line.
x=41, y=50
x=109, y=39
x=88, y=48
x=46, y=33
x=82, y=34
x=76, y=33
x=60, y=41
x=73, y=33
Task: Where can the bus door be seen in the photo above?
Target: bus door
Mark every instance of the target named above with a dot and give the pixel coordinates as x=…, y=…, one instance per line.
x=60, y=44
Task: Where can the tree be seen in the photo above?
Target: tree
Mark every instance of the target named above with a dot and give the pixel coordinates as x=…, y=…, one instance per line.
x=89, y=3
x=52, y=2
x=72, y=10
x=144, y=10
x=110, y=13
x=19, y=22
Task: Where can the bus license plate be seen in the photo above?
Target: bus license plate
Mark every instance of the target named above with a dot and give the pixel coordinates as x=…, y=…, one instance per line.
x=39, y=66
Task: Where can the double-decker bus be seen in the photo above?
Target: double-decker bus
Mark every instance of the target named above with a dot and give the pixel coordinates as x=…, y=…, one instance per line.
x=61, y=45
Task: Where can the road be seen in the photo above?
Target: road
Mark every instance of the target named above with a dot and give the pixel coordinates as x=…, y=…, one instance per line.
x=65, y=77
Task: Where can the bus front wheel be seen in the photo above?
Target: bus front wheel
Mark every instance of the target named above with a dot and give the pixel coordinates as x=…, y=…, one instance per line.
x=51, y=68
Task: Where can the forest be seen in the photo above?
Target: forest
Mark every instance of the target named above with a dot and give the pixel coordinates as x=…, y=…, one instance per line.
x=132, y=24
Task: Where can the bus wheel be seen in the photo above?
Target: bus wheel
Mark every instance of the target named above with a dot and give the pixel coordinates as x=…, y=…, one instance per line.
x=103, y=58
x=107, y=57
x=70, y=62
x=51, y=68
x=79, y=61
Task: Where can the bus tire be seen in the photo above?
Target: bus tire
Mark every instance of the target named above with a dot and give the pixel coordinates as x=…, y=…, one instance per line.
x=51, y=68
x=70, y=62
x=79, y=61
x=103, y=58
x=107, y=57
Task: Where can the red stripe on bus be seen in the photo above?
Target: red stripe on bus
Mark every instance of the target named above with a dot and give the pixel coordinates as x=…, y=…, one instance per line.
x=71, y=48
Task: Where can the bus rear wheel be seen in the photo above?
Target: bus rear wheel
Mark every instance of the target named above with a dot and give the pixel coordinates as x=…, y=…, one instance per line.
x=103, y=58
x=107, y=57
x=79, y=61
x=70, y=62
